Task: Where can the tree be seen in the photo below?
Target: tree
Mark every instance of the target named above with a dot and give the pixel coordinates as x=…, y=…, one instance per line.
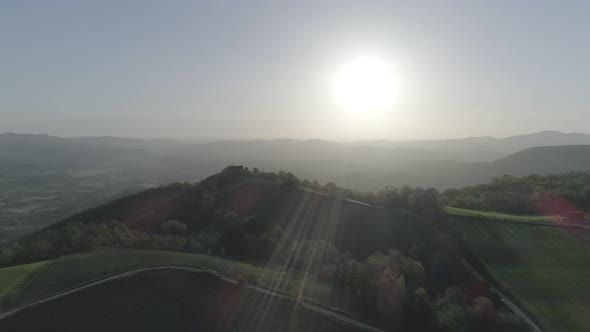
x=420, y=307
x=39, y=249
x=288, y=180
x=452, y=313
x=312, y=254
x=330, y=188
x=483, y=308
x=315, y=184
x=194, y=245
x=413, y=272
x=173, y=227
x=231, y=220
x=6, y=256
x=378, y=262
x=391, y=296
x=206, y=205
x=253, y=224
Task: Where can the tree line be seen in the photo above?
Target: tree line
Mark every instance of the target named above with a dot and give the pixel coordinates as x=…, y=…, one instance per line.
x=533, y=194
x=398, y=292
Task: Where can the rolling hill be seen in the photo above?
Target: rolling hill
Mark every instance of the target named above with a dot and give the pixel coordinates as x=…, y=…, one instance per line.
x=363, y=165
x=22, y=153
x=370, y=261
x=176, y=300
x=76, y=270
x=505, y=145
x=545, y=160
x=357, y=229
x=249, y=216
x=544, y=267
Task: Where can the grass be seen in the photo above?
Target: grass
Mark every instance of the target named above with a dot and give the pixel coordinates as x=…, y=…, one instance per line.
x=11, y=278
x=496, y=215
x=546, y=268
x=170, y=300
x=75, y=270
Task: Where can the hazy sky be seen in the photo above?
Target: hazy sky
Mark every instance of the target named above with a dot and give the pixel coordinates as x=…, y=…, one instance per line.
x=246, y=69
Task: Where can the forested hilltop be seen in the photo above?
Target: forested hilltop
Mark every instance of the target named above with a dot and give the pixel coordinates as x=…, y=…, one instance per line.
x=391, y=255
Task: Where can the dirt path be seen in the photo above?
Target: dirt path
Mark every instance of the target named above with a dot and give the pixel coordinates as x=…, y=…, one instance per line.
x=504, y=299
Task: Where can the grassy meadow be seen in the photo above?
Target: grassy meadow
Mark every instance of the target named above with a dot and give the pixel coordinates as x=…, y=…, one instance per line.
x=176, y=301
x=454, y=211
x=14, y=277
x=546, y=268
x=74, y=270
x=71, y=271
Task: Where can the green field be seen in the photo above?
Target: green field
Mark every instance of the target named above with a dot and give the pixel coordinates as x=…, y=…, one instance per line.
x=546, y=268
x=11, y=278
x=169, y=300
x=75, y=270
x=495, y=215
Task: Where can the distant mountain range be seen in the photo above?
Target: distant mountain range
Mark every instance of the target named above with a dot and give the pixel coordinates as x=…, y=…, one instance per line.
x=483, y=148
x=504, y=145
x=363, y=165
x=19, y=152
x=45, y=178
x=545, y=160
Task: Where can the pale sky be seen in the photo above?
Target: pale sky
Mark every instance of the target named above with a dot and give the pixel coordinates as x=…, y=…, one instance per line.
x=261, y=69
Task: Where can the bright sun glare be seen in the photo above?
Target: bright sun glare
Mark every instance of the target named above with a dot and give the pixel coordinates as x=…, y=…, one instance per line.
x=366, y=84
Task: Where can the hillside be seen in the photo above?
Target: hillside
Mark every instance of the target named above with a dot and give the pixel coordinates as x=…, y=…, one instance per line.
x=545, y=160
x=357, y=229
x=506, y=145
x=375, y=261
x=154, y=145
x=545, y=268
x=75, y=271
x=22, y=153
x=176, y=300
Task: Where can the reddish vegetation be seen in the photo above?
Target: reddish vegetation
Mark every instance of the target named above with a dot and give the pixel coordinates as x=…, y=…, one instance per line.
x=552, y=205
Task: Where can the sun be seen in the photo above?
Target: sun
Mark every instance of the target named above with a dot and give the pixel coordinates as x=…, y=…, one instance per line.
x=366, y=84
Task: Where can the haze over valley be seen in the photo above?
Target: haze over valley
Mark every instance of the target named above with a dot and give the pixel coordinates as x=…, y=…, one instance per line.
x=46, y=178
x=317, y=166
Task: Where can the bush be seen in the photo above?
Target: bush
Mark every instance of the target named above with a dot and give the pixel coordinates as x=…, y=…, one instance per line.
x=6, y=256
x=313, y=254
x=173, y=227
x=420, y=309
